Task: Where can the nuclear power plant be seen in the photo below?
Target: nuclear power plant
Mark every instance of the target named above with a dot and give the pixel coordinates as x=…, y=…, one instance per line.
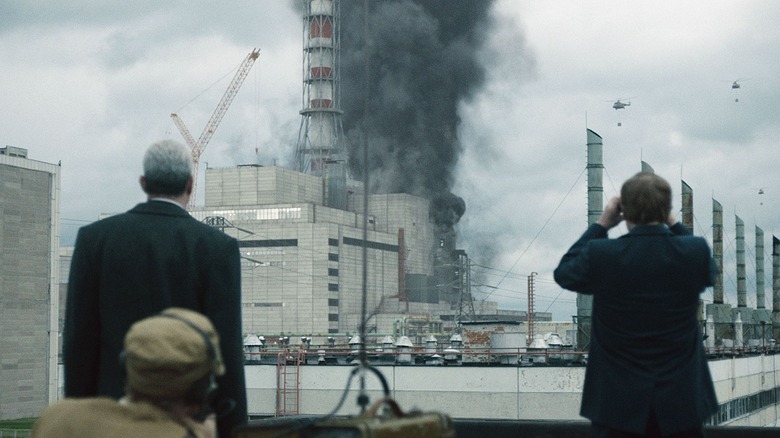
x=300, y=230
x=365, y=211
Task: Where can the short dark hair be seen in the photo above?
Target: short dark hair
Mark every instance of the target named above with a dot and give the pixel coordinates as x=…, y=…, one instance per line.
x=646, y=198
x=167, y=167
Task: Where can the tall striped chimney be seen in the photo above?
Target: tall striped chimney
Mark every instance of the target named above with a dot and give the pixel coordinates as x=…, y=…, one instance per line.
x=320, y=150
x=717, y=250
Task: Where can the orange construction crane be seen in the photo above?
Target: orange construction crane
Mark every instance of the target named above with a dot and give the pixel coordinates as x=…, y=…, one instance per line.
x=199, y=145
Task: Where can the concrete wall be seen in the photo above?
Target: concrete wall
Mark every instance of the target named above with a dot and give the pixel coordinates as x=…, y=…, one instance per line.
x=302, y=270
x=740, y=380
x=394, y=211
x=461, y=392
x=29, y=289
x=254, y=185
x=507, y=393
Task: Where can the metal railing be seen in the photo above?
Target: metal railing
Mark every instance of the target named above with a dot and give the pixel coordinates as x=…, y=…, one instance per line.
x=315, y=355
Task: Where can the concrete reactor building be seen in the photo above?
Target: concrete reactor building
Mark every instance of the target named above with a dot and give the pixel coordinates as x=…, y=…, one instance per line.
x=301, y=230
x=302, y=260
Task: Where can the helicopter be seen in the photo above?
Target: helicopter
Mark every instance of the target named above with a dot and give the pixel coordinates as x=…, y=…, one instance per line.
x=736, y=86
x=620, y=105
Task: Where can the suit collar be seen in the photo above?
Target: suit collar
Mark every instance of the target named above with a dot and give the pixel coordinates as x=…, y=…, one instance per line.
x=644, y=230
x=161, y=208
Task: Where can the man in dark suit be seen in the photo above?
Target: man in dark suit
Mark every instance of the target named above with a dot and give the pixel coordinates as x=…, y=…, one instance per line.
x=133, y=265
x=647, y=374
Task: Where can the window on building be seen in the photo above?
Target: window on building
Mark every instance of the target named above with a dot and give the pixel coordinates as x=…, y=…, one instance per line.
x=333, y=287
x=333, y=317
x=333, y=272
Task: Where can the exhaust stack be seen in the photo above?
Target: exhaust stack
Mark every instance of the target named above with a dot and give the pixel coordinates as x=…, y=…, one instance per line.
x=687, y=207
x=717, y=250
x=741, y=285
x=760, y=296
x=775, y=287
x=595, y=207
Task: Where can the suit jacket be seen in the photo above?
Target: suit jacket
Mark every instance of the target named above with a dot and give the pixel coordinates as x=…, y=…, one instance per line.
x=646, y=354
x=134, y=265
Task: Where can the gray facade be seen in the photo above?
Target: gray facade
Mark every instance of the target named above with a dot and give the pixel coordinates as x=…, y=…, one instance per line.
x=302, y=261
x=29, y=289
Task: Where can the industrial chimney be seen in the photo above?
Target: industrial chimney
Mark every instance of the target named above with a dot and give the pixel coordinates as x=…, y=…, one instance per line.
x=595, y=207
x=741, y=275
x=717, y=250
x=761, y=315
x=320, y=149
x=775, y=288
x=721, y=313
x=687, y=206
x=595, y=177
x=760, y=297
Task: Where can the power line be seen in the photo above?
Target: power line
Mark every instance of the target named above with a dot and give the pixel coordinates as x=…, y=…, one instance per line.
x=541, y=229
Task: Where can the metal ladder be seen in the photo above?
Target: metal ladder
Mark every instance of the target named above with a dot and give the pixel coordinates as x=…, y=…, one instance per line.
x=288, y=367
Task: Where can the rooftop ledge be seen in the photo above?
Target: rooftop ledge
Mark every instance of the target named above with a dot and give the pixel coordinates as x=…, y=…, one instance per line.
x=495, y=428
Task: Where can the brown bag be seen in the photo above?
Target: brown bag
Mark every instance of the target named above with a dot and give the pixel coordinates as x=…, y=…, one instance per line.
x=375, y=422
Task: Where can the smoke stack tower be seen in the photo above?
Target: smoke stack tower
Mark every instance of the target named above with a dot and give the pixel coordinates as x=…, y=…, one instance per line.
x=595, y=177
x=320, y=151
x=720, y=312
x=775, y=287
x=686, y=219
x=742, y=312
x=760, y=295
x=741, y=273
x=761, y=313
x=687, y=206
x=595, y=207
x=717, y=250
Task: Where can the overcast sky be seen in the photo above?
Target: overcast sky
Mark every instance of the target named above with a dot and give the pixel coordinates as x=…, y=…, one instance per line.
x=91, y=84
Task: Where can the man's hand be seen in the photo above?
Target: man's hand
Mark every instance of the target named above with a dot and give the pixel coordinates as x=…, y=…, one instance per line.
x=206, y=429
x=612, y=214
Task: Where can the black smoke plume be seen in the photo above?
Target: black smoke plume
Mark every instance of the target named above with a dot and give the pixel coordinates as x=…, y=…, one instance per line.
x=423, y=62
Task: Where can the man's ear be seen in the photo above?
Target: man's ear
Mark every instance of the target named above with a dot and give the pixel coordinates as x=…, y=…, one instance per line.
x=188, y=187
x=142, y=181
